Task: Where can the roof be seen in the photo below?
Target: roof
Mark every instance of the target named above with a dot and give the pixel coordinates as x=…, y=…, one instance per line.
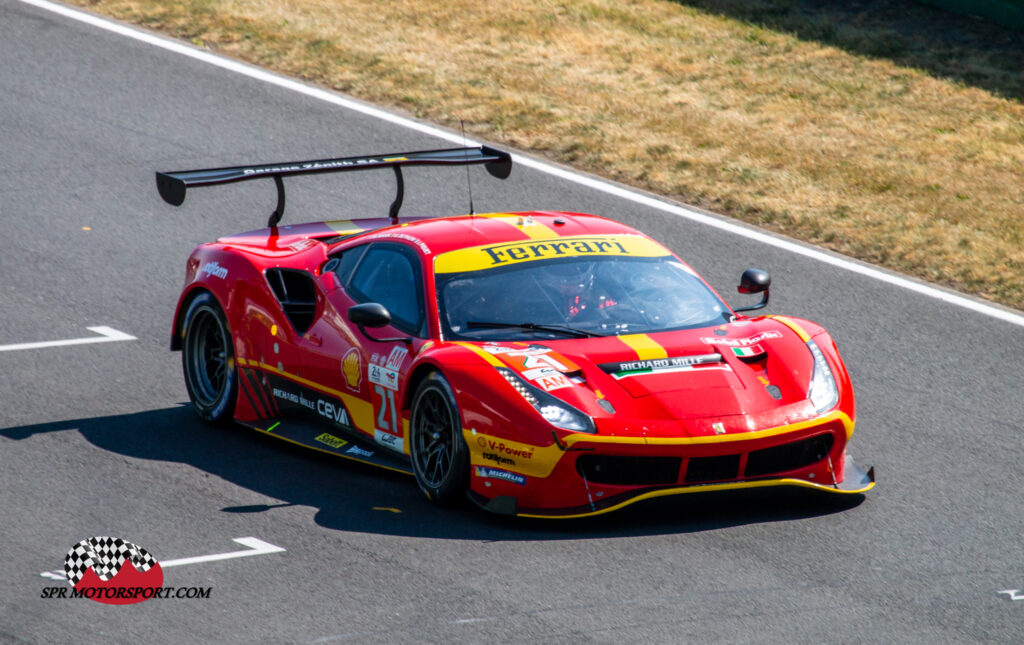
x=434, y=236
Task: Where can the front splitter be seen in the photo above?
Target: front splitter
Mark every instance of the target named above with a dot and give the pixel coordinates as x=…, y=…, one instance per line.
x=856, y=480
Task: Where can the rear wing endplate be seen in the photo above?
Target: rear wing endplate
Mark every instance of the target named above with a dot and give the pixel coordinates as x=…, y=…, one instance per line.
x=173, y=185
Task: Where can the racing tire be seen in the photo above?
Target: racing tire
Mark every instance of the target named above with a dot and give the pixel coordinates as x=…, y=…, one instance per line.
x=208, y=360
x=440, y=459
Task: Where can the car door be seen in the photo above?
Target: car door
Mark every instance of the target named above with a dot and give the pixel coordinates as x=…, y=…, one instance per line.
x=375, y=364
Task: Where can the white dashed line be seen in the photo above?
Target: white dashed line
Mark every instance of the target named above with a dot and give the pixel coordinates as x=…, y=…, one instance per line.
x=106, y=335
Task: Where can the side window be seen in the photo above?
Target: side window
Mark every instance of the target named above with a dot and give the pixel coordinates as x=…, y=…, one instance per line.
x=390, y=275
x=347, y=261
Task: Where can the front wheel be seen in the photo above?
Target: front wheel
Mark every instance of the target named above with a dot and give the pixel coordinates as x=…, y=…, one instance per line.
x=208, y=361
x=440, y=459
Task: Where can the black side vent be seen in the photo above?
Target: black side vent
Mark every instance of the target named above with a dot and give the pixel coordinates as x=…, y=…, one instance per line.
x=789, y=456
x=629, y=471
x=296, y=292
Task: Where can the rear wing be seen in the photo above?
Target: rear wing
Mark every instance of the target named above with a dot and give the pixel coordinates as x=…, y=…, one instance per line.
x=173, y=185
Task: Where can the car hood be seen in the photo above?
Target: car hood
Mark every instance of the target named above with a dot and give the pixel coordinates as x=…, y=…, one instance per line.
x=735, y=372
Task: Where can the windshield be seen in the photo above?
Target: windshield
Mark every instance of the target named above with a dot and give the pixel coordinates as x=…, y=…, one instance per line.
x=596, y=295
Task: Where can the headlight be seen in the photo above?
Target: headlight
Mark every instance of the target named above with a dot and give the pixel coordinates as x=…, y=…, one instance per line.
x=555, y=411
x=823, y=392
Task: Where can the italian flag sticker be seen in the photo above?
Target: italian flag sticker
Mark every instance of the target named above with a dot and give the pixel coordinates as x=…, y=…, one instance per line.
x=748, y=352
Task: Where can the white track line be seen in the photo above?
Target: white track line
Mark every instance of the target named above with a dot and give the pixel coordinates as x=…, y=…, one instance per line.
x=106, y=335
x=254, y=546
x=555, y=171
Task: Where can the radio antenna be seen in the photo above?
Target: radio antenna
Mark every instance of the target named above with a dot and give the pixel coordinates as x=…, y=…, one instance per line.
x=469, y=179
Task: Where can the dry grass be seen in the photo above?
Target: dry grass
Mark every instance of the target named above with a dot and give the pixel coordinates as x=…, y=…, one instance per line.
x=887, y=163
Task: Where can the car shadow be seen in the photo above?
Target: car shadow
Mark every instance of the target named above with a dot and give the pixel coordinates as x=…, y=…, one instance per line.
x=350, y=496
x=972, y=51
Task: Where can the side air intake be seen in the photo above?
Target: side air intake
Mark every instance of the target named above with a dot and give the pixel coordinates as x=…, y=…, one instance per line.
x=296, y=292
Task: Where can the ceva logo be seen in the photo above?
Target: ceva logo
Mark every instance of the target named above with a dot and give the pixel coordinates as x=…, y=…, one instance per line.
x=113, y=571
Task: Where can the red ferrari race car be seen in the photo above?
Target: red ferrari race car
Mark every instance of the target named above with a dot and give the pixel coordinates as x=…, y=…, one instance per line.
x=544, y=364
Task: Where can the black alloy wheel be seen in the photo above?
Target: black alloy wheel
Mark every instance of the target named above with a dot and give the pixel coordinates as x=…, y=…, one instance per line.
x=439, y=455
x=207, y=360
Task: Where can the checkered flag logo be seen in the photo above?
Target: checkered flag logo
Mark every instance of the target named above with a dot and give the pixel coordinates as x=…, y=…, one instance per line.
x=105, y=556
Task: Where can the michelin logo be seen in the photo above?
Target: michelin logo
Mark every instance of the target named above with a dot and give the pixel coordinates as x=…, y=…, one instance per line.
x=359, y=452
x=494, y=473
x=212, y=268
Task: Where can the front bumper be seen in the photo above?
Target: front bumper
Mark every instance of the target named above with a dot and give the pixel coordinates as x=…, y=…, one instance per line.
x=855, y=480
x=584, y=474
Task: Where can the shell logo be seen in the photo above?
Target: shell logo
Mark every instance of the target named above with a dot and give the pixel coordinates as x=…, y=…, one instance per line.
x=351, y=367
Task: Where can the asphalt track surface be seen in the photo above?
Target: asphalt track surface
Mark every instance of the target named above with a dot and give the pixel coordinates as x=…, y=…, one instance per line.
x=97, y=438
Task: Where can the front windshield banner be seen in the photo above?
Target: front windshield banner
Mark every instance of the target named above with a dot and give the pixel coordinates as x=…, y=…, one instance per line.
x=490, y=256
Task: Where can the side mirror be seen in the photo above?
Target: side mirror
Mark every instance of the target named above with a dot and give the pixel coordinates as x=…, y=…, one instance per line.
x=370, y=314
x=755, y=281
x=373, y=314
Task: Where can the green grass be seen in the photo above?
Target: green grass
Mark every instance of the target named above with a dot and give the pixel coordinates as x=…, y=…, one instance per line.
x=892, y=133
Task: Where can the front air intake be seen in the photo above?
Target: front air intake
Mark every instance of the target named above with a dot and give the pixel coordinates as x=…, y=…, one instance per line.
x=710, y=469
x=629, y=471
x=789, y=456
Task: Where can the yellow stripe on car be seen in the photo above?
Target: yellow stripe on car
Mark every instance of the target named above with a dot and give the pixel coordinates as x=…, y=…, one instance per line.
x=360, y=410
x=792, y=324
x=532, y=228
x=344, y=227
x=644, y=346
x=487, y=356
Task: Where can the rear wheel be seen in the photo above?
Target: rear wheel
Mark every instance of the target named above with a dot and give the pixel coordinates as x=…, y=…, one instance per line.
x=207, y=360
x=439, y=456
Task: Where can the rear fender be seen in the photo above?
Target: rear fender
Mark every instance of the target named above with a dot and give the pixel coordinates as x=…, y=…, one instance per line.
x=209, y=268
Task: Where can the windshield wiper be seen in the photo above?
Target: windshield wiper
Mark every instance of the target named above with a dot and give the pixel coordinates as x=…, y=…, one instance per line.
x=560, y=329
